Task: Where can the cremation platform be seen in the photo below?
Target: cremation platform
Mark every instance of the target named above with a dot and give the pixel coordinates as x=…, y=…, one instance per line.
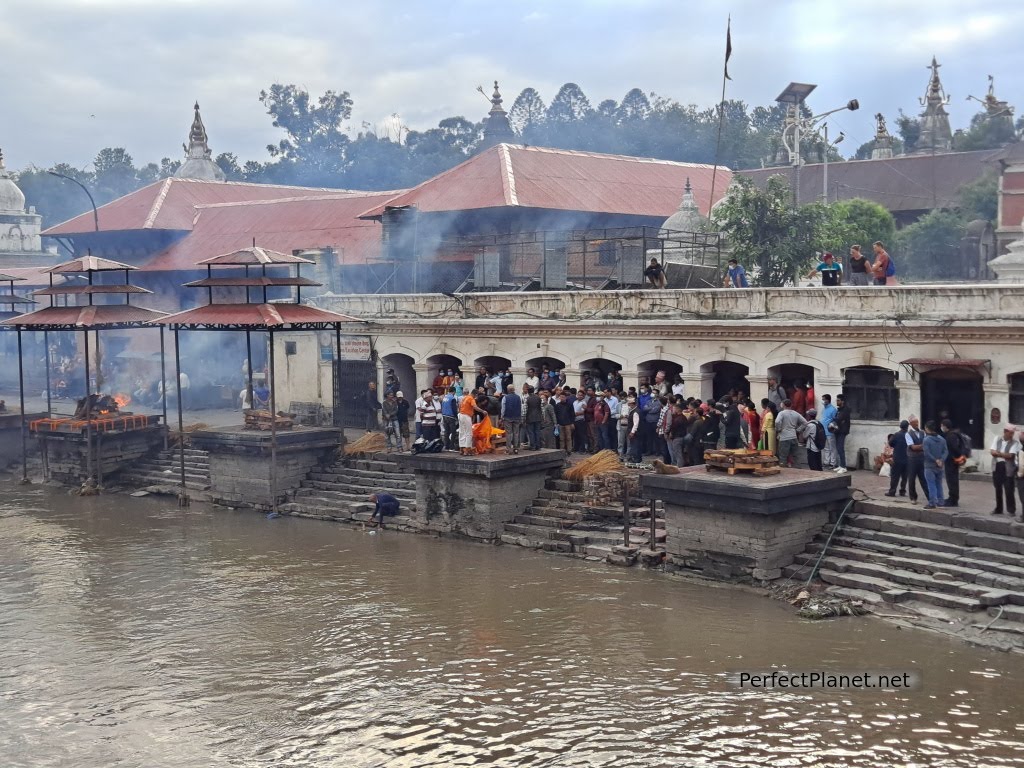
x=474, y=496
x=744, y=526
x=67, y=458
x=240, y=461
x=10, y=436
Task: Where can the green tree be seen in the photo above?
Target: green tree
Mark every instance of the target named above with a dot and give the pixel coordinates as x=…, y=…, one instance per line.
x=980, y=198
x=857, y=222
x=315, y=143
x=910, y=131
x=986, y=132
x=764, y=232
x=527, y=112
x=929, y=249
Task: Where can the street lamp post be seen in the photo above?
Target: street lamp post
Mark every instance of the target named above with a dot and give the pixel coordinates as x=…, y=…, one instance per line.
x=797, y=125
x=95, y=213
x=824, y=170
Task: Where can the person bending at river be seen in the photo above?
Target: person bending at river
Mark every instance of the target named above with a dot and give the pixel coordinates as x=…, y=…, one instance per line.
x=385, y=504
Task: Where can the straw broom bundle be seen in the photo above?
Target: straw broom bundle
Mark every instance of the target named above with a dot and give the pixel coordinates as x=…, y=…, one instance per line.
x=600, y=463
x=371, y=442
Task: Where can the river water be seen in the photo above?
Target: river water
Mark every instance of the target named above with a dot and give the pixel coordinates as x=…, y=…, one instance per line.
x=136, y=634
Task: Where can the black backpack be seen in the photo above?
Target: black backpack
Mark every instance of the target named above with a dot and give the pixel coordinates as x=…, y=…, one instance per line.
x=819, y=435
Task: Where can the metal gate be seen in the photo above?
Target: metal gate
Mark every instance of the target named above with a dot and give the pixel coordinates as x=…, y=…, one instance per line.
x=350, y=380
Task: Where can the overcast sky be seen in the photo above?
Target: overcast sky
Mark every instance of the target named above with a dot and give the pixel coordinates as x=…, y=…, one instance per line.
x=80, y=75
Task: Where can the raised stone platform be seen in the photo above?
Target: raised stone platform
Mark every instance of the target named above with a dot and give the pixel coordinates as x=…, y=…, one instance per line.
x=67, y=459
x=743, y=526
x=474, y=496
x=240, y=461
x=10, y=436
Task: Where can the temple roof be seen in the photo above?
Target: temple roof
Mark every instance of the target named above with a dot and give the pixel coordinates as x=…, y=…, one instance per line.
x=198, y=164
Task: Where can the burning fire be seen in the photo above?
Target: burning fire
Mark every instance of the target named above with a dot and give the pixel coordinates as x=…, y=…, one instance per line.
x=122, y=399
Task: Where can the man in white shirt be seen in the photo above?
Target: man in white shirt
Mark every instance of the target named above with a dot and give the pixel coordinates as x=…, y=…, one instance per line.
x=532, y=380
x=419, y=405
x=1005, y=453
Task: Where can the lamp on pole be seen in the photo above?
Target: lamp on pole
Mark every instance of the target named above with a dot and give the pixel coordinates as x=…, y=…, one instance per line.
x=95, y=213
x=824, y=170
x=797, y=125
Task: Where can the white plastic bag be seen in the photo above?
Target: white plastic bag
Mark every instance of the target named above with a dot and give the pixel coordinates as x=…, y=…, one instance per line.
x=885, y=471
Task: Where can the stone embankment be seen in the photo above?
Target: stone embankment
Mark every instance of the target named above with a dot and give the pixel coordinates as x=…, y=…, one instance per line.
x=341, y=491
x=923, y=562
x=161, y=473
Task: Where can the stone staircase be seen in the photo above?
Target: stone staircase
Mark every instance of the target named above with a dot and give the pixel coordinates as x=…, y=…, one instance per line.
x=341, y=491
x=923, y=559
x=561, y=519
x=163, y=471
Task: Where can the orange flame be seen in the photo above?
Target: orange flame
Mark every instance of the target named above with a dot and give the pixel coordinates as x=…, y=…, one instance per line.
x=122, y=399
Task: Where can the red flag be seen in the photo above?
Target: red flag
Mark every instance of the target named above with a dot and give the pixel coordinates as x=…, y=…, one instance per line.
x=728, y=46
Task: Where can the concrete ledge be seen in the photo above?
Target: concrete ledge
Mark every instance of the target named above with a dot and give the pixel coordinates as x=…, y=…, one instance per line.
x=491, y=466
x=789, y=490
x=246, y=441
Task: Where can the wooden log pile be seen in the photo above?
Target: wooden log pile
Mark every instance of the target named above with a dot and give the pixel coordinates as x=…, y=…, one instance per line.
x=733, y=461
x=263, y=420
x=605, y=490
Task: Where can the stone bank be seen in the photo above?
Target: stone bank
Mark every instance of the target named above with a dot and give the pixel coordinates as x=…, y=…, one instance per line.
x=742, y=526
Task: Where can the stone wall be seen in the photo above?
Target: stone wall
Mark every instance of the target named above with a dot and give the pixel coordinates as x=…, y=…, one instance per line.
x=475, y=496
x=742, y=526
x=244, y=480
x=739, y=546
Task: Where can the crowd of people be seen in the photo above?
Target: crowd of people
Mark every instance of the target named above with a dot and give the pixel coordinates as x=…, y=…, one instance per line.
x=863, y=270
x=655, y=420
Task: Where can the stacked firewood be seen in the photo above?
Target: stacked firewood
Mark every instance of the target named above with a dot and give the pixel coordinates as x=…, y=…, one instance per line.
x=605, y=490
x=742, y=459
x=265, y=421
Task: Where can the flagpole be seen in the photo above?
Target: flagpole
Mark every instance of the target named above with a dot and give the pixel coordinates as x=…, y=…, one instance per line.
x=721, y=111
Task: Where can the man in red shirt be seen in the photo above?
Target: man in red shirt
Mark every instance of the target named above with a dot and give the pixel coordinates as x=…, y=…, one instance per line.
x=881, y=265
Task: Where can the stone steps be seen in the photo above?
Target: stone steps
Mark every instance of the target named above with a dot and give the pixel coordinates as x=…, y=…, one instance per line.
x=341, y=491
x=164, y=470
x=971, y=557
x=940, y=557
x=921, y=574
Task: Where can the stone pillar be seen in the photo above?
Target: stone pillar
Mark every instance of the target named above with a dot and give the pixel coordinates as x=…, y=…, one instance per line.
x=705, y=385
x=474, y=496
x=743, y=527
x=997, y=395
x=630, y=378
x=518, y=376
x=758, y=389
x=910, y=398
x=423, y=381
x=826, y=386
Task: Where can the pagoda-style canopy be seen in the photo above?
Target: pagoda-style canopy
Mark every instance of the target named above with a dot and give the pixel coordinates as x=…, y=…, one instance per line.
x=249, y=316
x=10, y=298
x=90, y=316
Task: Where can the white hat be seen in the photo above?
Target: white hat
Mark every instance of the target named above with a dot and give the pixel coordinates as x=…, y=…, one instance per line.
x=1009, y=427
x=398, y=394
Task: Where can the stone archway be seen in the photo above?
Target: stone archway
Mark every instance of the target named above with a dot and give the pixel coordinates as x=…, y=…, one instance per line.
x=598, y=370
x=402, y=365
x=794, y=376
x=723, y=376
x=553, y=364
x=437, y=367
x=493, y=364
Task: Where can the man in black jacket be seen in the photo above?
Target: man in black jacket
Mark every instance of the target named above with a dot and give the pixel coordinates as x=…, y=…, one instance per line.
x=898, y=472
x=731, y=424
x=957, y=452
x=565, y=417
x=840, y=427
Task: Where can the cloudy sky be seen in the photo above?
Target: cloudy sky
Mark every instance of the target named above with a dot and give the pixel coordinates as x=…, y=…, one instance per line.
x=85, y=74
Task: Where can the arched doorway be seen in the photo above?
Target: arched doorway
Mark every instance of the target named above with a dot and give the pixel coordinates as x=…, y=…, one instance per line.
x=647, y=371
x=492, y=364
x=540, y=364
x=437, y=372
x=957, y=394
x=403, y=371
x=796, y=375
x=598, y=369
x=728, y=376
